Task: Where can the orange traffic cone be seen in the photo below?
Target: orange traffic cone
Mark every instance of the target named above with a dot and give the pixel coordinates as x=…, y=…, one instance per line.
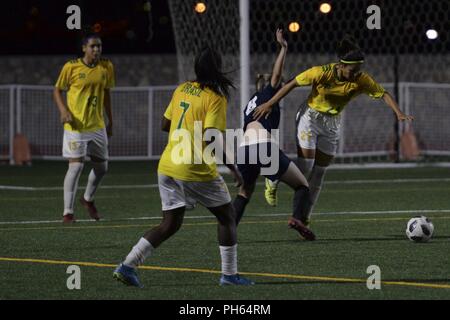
x=22, y=153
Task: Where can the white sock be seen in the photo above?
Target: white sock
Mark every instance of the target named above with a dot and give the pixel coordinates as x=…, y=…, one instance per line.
x=305, y=165
x=229, y=260
x=71, y=184
x=139, y=253
x=95, y=177
x=315, y=185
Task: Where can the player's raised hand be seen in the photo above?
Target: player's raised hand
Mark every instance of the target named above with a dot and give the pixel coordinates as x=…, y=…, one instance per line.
x=262, y=111
x=280, y=38
x=404, y=117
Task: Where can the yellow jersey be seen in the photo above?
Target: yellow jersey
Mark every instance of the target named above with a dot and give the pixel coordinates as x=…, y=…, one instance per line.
x=85, y=88
x=329, y=95
x=191, y=111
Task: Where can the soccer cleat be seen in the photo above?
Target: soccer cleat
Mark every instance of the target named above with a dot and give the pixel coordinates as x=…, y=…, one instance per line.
x=307, y=222
x=127, y=275
x=90, y=207
x=301, y=228
x=271, y=193
x=235, y=280
x=69, y=218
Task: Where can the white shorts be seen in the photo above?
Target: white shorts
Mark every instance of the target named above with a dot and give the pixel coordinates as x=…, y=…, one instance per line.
x=81, y=144
x=177, y=193
x=317, y=130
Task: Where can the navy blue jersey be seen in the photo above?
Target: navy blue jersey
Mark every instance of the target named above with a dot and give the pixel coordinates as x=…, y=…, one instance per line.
x=273, y=120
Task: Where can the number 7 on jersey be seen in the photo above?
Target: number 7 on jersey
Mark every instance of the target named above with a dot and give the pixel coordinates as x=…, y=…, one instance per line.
x=185, y=106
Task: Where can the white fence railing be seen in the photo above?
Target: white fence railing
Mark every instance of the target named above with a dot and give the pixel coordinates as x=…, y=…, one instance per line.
x=367, y=125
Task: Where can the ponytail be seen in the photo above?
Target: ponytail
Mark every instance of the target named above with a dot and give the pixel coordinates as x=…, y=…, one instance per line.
x=208, y=69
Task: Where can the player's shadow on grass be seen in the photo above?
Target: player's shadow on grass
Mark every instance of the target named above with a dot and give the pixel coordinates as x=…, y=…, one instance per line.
x=320, y=240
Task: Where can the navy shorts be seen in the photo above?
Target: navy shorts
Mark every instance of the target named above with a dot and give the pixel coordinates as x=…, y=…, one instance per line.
x=251, y=168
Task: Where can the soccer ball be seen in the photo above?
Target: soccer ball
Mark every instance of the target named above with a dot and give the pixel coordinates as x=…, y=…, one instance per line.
x=419, y=229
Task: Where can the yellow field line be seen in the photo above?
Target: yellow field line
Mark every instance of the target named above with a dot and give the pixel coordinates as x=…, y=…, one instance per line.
x=145, y=225
x=269, y=275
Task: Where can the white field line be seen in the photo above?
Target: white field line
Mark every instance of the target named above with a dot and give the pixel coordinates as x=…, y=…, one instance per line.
x=150, y=186
x=19, y=188
x=415, y=212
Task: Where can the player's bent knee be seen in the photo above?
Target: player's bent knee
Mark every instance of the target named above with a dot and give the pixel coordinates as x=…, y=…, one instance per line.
x=247, y=191
x=225, y=214
x=76, y=160
x=306, y=153
x=102, y=166
x=323, y=159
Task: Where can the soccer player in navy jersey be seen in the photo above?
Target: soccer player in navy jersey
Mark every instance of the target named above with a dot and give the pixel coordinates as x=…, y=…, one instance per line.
x=258, y=140
x=318, y=119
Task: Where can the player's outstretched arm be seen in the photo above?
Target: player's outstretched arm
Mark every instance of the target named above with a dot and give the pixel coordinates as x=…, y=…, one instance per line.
x=277, y=70
x=65, y=115
x=165, y=124
x=264, y=109
x=387, y=98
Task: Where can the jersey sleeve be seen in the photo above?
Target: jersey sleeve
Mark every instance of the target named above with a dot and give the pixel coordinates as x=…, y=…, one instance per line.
x=371, y=87
x=216, y=115
x=306, y=78
x=168, y=112
x=111, y=76
x=63, y=81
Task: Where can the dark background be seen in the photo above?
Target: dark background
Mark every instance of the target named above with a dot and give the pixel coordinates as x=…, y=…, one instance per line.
x=39, y=27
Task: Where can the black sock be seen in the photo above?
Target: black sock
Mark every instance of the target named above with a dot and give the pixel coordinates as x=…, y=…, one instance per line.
x=239, y=206
x=301, y=203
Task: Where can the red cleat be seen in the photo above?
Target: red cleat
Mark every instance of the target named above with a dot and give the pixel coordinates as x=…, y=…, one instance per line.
x=301, y=228
x=68, y=218
x=90, y=207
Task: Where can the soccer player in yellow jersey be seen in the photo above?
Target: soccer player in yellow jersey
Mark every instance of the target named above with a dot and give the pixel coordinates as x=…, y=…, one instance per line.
x=318, y=119
x=185, y=176
x=87, y=81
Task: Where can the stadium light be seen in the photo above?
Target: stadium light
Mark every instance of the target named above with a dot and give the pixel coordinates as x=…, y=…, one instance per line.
x=200, y=7
x=294, y=26
x=97, y=27
x=325, y=8
x=432, y=34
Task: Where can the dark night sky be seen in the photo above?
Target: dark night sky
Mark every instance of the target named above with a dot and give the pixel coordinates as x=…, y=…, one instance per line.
x=39, y=27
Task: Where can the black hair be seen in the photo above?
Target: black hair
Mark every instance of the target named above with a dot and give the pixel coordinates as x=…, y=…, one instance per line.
x=348, y=50
x=208, y=69
x=87, y=36
x=259, y=77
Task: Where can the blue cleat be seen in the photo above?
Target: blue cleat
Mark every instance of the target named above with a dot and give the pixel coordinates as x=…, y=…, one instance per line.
x=127, y=275
x=235, y=280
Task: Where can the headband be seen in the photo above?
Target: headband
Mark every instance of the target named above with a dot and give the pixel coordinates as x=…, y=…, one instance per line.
x=351, y=62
